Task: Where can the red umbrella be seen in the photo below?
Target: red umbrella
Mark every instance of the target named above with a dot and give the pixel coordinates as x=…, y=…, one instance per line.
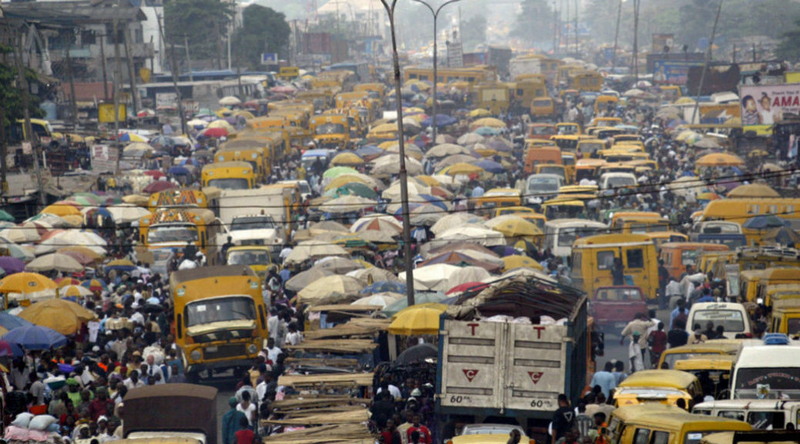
x=469, y=286
x=215, y=132
x=159, y=185
x=154, y=173
x=81, y=258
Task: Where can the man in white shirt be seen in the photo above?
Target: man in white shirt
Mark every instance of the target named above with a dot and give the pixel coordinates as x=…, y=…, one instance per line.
x=133, y=380
x=285, y=252
x=294, y=337
x=137, y=317
x=273, y=323
x=272, y=351
x=154, y=371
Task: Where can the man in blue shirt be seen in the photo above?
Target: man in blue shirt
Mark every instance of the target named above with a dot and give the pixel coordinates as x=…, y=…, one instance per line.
x=605, y=379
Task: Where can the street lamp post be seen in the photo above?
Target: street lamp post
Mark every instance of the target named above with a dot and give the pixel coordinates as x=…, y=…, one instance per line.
x=389, y=5
x=435, y=13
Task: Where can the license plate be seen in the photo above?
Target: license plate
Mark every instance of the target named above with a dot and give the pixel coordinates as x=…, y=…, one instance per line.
x=212, y=349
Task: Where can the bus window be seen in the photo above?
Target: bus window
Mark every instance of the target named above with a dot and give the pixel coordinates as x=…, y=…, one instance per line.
x=635, y=258
x=605, y=260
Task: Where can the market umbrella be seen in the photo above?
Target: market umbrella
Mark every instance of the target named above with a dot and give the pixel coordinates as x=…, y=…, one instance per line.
x=446, y=149
x=374, y=274
x=303, y=279
x=719, y=159
x=479, y=112
x=17, y=251
x=328, y=285
x=55, y=261
x=327, y=226
x=753, y=190
x=491, y=166
x=10, y=322
x=338, y=265
x=455, y=220
x=26, y=283
x=763, y=222
x=158, y=186
x=65, y=281
x=420, y=299
x=74, y=291
x=63, y=316
x=26, y=232
x=11, y=264
x=467, y=286
x=487, y=131
x=88, y=239
x=385, y=286
x=490, y=122
x=706, y=143
x=312, y=249
x=6, y=216
x=229, y=101
x=80, y=253
x=431, y=277
x=377, y=222
x=517, y=261
x=62, y=209
x=380, y=299
x=416, y=321
x=467, y=274
x=425, y=214
x=414, y=189
x=215, y=132
x=474, y=234
x=35, y=337
x=513, y=226
x=120, y=265
x=470, y=139
x=461, y=168
x=389, y=164
x=127, y=213
x=332, y=173
x=357, y=189
x=347, y=159
x=347, y=204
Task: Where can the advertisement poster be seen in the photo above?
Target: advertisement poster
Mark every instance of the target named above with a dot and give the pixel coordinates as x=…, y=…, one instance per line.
x=764, y=105
x=668, y=72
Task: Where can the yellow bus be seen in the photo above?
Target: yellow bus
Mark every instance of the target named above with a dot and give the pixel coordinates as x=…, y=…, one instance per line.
x=331, y=130
x=175, y=228
x=740, y=210
x=586, y=80
x=473, y=74
x=229, y=175
x=593, y=259
x=184, y=198
x=220, y=318
x=254, y=156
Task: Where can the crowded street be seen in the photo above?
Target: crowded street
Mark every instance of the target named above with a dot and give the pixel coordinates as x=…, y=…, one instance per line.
x=545, y=239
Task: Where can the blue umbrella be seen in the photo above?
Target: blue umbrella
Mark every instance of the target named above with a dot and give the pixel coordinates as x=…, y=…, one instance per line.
x=178, y=171
x=35, y=337
x=10, y=322
x=11, y=264
x=486, y=131
x=441, y=120
x=162, y=142
x=385, y=286
x=433, y=200
x=765, y=222
x=369, y=150
x=491, y=166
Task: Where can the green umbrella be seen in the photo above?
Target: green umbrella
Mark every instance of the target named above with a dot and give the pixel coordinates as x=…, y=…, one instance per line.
x=338, y=171
x=419, y=298
x=16, y=251
x=6, y=216
x=90, y=199
x=357, y=189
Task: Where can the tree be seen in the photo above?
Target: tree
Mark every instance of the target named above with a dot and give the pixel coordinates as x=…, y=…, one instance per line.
x=474, y=32
x=789, y=48
x=535, y=22
x=263, y=30
x=203, y=22
x=10, y=94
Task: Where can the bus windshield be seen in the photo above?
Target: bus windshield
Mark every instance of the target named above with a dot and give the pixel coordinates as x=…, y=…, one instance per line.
x=250, y=257
x=767, y=382
x=252, y=223
x=237, y=308
x=172, y=233
x=330, y=128
x=230, y=183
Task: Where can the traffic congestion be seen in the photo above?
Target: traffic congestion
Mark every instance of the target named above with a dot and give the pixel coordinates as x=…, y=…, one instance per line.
x=554, y=249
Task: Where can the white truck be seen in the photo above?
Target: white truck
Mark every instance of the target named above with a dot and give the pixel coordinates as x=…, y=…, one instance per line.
x=524, y=65
x=489, y=370
x=254, y=217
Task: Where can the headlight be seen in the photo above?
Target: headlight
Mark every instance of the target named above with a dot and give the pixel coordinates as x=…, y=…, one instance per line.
x=252, y=349
x=196, y=355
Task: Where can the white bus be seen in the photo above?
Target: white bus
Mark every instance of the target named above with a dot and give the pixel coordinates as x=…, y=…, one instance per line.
x=560, y=234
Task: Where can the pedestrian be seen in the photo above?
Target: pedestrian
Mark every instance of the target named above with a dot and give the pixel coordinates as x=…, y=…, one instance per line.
x=232, y=422
x=563, y=418
x=635, y=352
x=604, y=379
x=657, y=343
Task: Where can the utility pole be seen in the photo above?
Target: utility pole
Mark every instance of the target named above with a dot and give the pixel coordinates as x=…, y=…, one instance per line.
x=635, y=58
x=131, y=70
x=389, y=5
x=189, y=59
x=3, y=155
x=72, y=101
x=174, y=69
x=577, y=41
x=705, y=62
x=616, y=36
x=28, y=135
x=105, y=74
x=117, y=81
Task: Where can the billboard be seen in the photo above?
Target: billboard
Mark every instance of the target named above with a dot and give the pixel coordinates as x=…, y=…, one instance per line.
x=764, y=105
x=672, y=72
x=719, y=113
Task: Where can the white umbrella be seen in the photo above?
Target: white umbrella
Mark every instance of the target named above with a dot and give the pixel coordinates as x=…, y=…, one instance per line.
x=54, y=261
x=347, y=204
x=431, y=277
x=470, y=138
x=455, y=220
x=474, y=234
x=467, y=274
x=334, y=284
x=229, y=101
x=379, y=222
x=337, y=264
x=314, y=249
x=21, y=234
x=446, y=149
x=72, y=238
x=382, y=299
x=389, y=164
x=414, y=189
x=371, y=275
x=127, y=213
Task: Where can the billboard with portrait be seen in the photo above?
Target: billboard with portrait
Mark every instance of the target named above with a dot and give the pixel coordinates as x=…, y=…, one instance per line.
x=764, y=105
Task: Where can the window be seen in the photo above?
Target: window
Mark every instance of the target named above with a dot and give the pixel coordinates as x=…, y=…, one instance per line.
x=88, y=38
x=660, y=438
x=752, y=209
x=642, y=436
x=766, y=420
x=635, y=258
x=605, y=260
